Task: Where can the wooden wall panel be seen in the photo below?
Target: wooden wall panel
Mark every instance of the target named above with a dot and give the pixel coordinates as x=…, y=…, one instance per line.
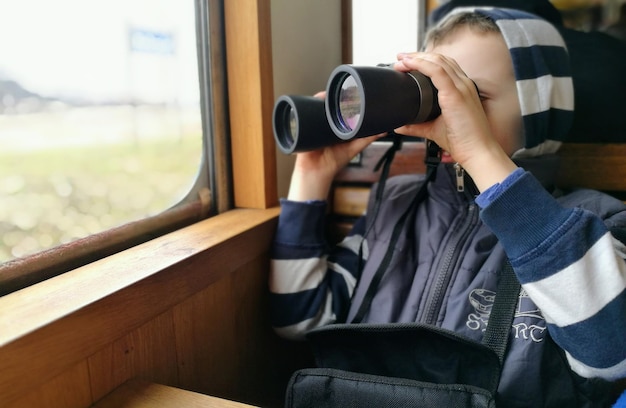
x=68, y=390
x=204, y=336
x=148, y=352
x=597, y=166
x=170, y=269
x=201, y=324
x=225, y=343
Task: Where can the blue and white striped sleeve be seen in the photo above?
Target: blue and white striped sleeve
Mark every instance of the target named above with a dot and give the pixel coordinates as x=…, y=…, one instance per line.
x=574, y=270
x=310, y=283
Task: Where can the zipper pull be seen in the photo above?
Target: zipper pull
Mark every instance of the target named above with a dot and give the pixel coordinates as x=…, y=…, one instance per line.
x=460, y=179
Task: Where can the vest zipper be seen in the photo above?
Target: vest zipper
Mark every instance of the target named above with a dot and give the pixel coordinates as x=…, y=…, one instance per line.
x=460, y=177
x=453, y=251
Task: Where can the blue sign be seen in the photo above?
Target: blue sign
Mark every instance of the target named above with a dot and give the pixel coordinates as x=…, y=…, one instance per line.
x=152, y=42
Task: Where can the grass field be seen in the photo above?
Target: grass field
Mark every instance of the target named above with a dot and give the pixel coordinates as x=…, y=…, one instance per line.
x=53, y=195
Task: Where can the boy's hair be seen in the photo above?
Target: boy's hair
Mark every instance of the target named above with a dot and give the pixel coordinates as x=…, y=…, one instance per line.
x=541, y=65
x=476, y=22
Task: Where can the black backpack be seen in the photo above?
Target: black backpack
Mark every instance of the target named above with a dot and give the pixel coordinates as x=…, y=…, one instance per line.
x=406, y=364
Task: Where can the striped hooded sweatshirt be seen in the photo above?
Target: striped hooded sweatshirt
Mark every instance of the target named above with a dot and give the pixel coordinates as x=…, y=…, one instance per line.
x=568, y=337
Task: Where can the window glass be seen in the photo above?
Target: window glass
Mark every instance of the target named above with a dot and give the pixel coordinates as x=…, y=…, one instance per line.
x=589, y=15
x=380, y=30
x=99, y=116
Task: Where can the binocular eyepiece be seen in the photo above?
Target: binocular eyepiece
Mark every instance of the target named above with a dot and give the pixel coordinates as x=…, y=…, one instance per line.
x=360, y=101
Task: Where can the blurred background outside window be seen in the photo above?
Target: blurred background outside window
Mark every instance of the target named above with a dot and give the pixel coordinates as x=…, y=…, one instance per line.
x=99, y=116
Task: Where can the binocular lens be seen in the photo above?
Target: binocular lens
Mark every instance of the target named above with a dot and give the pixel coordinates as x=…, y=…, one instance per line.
x=364, y=101
x=300, y=124
x=287, y=123
x=349, y=103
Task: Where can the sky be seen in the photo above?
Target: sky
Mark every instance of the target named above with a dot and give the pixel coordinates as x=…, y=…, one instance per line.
x=80, y=47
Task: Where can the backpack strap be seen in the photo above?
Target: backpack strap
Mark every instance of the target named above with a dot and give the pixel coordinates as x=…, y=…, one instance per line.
x=433, y=157
x=502, y=312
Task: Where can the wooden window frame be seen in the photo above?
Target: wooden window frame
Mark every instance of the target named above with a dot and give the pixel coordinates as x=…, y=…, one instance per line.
x=251, y=101
x=211, y=193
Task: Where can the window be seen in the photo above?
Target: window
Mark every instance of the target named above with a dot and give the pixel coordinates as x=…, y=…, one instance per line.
x=101, y=118
x=588, y=15
x=382, y=29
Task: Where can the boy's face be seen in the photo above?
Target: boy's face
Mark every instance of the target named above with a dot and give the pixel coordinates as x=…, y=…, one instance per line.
x=485, y=58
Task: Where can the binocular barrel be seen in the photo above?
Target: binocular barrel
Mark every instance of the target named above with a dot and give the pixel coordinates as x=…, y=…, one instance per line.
x=300, y=124
x=360, y=102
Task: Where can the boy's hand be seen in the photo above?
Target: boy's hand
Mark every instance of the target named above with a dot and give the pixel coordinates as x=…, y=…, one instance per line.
x=462, y=124
x=463, y=129
x=314, y=171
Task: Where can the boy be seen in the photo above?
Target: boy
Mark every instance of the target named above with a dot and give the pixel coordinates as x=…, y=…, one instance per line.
x=481, y=208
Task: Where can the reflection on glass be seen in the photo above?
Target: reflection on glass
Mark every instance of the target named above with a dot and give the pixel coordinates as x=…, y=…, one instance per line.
x=349, y=103
x=293, y=125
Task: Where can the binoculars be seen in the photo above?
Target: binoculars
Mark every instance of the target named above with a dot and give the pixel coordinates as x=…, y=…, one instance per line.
x=360, y=102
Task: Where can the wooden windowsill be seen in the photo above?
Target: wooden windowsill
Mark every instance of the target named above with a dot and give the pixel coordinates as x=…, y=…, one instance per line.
x=57, y=322
x=142, y=394
x=34, y=307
